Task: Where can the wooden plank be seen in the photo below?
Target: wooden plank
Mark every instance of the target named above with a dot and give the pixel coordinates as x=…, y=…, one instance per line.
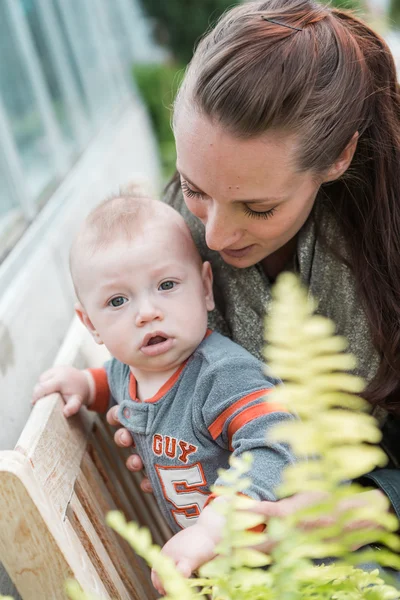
x=39, y=550
x=145, y=506
x=54, y=447
x=109, y=473
x=97, y=501
x=54, y=497
x=53, y=444
x=82, y=525
x=148, y=502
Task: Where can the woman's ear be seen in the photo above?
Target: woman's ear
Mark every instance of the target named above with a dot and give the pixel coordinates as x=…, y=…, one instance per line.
x=207, y=277
x=83, y=317
x=343, y=162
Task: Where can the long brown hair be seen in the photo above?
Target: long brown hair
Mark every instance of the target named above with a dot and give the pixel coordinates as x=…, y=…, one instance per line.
x=298, y=66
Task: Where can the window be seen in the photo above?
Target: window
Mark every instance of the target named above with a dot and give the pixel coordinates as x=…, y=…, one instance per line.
x=64, y=69
x=22, y=109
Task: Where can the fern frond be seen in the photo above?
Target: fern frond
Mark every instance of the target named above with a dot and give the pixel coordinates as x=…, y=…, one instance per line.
x=304, y=352
x=140, y=540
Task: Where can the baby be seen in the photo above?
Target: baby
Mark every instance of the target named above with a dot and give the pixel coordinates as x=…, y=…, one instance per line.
x=189, y=396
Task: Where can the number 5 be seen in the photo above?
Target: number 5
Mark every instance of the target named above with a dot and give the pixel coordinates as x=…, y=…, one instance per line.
x=180, y=486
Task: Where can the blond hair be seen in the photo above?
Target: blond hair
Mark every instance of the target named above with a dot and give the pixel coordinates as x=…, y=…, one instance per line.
x=121, y=216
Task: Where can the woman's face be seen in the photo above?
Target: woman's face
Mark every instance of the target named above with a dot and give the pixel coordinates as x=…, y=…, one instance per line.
x=247, y=193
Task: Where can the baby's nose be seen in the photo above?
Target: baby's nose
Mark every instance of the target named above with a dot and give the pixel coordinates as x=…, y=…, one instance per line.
x=148, y=312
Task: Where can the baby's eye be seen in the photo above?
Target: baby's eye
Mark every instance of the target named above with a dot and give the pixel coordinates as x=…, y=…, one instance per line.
x=166, y=285
x=117, y=301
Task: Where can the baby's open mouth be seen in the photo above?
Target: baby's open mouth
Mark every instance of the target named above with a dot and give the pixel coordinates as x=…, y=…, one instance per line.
x=157, y=339
x=156, y=344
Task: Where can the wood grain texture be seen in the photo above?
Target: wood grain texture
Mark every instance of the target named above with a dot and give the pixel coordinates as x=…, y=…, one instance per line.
x=56, y=488
x=54, y=447
x=39, y=549
x=125, y=485
x=90, y=489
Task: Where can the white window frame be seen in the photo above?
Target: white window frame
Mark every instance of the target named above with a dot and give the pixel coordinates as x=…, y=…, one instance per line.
x=79, y=122
x=27, y=48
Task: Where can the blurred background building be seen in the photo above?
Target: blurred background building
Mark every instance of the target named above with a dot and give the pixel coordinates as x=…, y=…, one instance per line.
x=85, y=93
x=72, y=127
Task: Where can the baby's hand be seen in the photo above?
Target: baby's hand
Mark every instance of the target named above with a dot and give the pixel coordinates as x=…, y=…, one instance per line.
x=75, y=386
x=194, y=546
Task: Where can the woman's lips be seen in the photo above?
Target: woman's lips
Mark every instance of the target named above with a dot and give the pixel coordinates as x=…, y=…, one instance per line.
x=157, y=349
x=240, y=253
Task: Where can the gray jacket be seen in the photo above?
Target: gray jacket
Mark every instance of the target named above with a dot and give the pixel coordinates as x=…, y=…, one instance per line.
x=213, y=406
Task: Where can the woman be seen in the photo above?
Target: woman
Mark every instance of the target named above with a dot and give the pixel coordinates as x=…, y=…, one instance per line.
x=287, y=134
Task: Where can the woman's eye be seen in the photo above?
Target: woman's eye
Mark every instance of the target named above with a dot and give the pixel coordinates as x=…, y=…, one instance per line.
x=165, y=286
x=253, y=214
x=117, y=301
x=189, y=192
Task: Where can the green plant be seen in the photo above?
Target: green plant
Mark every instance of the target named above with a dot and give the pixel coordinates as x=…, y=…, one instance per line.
x=158, y=85
x=179, y=25
x=348, y=4
x=394, y=13
x=306, y=354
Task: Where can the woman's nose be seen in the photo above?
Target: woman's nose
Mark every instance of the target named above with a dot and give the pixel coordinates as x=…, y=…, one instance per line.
x=221, y=233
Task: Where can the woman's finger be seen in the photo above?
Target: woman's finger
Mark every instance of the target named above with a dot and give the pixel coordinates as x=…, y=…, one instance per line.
x=146, y=486
x=123, y=438
x=134, y=463
x=288, y=506
x=112, y=417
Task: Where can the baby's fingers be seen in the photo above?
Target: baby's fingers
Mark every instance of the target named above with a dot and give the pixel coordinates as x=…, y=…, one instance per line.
x=184, y=567
x=49, y=374
x=156, y=581
x=72, y=405
x=44, y=388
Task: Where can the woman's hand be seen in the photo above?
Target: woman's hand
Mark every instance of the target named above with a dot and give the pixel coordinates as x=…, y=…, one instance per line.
x=123, y=439
x=287, y=506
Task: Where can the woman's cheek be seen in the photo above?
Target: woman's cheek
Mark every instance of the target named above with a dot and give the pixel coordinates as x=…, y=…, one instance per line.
x=196, y=207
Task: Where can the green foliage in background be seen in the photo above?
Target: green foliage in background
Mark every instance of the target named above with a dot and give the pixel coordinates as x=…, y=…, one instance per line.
x=180, y=23
x=394, y=14
x=158, y=84
x=348, y=4
x=339, y=438
x=178, y=26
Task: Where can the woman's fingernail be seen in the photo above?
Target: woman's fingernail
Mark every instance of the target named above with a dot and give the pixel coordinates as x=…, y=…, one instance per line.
x=125, y=439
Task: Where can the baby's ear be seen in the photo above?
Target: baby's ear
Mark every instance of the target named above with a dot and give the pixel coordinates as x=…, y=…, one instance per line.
x=83, y=317
x=207, y=276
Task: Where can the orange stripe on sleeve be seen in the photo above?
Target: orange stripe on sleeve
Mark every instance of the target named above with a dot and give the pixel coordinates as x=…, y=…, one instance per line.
x=217, y=426
x=251, y=413
x=102, y=392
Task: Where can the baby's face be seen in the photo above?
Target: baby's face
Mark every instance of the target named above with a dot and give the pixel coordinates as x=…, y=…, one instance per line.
x=147, y=299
